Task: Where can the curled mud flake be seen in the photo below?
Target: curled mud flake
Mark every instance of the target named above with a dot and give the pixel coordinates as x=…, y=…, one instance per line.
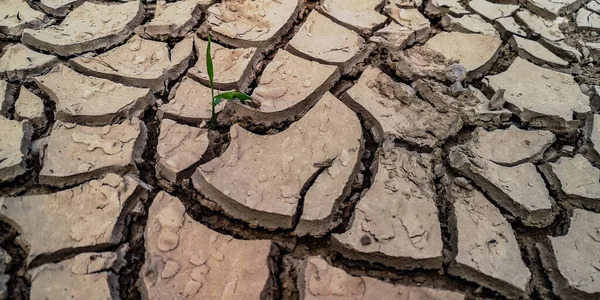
x=200, y=272
x=218, y=255
x=198, y=259
x=233, y=132
x=307, y=83
x=270, y=92
x=95, y=141
x=235, y=155
x=84, y=167
x=214, y=238
x=171, y=269
x=172, y=217
x=106, y=129
x=191, y=289
x=344, y=157
x=167, y=240
x=263, y=178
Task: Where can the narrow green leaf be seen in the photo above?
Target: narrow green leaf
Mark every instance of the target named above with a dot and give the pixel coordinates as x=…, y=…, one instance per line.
x=234, y=95
x=209, y=64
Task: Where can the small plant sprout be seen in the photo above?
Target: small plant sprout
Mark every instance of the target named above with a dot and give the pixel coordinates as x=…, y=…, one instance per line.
x=219, y=98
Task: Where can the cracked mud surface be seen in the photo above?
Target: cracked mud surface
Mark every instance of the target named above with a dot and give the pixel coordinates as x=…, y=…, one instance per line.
x=393, y=149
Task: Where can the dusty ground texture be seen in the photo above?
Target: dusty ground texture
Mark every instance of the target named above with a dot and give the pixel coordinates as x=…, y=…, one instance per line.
x=393, y=149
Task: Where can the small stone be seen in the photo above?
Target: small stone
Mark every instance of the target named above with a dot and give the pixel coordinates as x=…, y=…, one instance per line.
x=399, y=212
x=205, y=268
x=574, y=276
x=70, y=146
x=30, y=107
x=88, y=216
x=83, y=29
x=171, y=20
x=14, y=148
x=541, y=97
x=320, y=281
x=20, y=62
x=361, y=16
x=322, y=40
x=123, y=65
x=487, y=250
x=576, y=179
x=535, y=52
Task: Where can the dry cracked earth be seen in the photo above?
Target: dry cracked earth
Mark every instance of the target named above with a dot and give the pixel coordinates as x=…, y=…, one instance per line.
x=393, y=149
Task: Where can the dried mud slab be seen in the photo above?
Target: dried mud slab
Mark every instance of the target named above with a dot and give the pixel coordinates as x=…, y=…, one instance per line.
x=86, y=276
x=78, y=153
x=535, y=52
x=361, y=16
x=471, y=104
x=412, y=19
x=16, y=16
x=592, y=136
x=396, y=221
x=519, y=189
x=487, y=250
x=540, y=26
x=393, y=111
x=180, y=148
x=7, y=97
x=492, y=11
x=189, y=103
x=510, y=147
x=571, y=260
x=89, y=27
x=171, y=20
x=438, y=8
x=59, y=8
x=541, y=97
x=260, y=179
x=89, y=216
x=20, y=62
x=14, y=148
x=318, y=280
x=469, y=24
x=185, y=258
x=246, y=24
x=326, y=42
x=139, y=62
x=553, y=9
x=394, y=37
x=90, y=100
x=509, y=27
x=576, y=179
x=30, y=107
x=289, y=86
x=588, y=20
x=234, y=69
x=562, y=49
x=476, y=52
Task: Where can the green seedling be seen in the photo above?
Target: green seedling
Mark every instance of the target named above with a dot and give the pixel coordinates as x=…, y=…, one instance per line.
x=216, y=100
